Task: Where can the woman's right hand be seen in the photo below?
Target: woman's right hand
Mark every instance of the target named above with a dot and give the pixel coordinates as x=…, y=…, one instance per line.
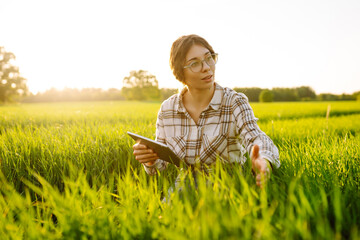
x=144, y=154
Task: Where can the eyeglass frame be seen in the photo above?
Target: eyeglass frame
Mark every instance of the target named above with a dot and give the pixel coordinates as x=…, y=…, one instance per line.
x=202, y=62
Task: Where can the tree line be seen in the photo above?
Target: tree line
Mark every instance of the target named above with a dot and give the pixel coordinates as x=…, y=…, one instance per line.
x=139, y=85
x=143, y=86
x=92, y=94
x=303, y=93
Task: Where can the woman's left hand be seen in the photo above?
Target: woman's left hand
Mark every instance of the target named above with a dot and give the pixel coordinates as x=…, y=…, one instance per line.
x=261, y=167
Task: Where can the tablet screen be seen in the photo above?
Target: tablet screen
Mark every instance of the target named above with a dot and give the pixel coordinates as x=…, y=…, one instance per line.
x=162, y=150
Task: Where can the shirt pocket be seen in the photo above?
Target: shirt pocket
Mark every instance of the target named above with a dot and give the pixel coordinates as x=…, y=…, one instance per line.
x=177, y=145
x=212, y=147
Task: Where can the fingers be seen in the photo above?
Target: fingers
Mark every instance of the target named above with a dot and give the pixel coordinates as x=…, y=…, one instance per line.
x=263, y=174
x=140, y=149
x=255, y=157
x=145, y=157
x=255, y=152
x=260, y=167
x=262, y=178
x=144, y=154
x=149, y=160
x=138, y=145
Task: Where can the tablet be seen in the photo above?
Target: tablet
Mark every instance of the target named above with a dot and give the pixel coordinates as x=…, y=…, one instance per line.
x=162, y=150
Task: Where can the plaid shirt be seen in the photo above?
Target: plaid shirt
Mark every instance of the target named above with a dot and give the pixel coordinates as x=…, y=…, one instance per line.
x=226, y=129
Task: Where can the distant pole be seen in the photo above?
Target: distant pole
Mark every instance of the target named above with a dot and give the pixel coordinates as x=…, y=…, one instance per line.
x=328, y=112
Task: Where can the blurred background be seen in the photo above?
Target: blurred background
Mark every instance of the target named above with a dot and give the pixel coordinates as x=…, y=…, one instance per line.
x=110, y=50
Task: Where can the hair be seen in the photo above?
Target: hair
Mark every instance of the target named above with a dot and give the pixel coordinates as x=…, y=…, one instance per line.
x=178, y=52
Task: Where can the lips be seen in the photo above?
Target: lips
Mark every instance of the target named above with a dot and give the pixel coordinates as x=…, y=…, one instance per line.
x=208, y=77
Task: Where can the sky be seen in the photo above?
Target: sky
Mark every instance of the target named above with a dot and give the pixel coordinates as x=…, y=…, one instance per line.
x=262, y=43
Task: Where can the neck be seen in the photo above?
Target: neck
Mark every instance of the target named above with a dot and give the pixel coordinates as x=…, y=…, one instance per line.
x=201, y=97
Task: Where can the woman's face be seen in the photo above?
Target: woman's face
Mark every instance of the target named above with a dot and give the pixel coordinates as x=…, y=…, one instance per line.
x=204, y=79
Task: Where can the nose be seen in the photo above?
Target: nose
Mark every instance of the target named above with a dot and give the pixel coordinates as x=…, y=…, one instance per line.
x=205, y=66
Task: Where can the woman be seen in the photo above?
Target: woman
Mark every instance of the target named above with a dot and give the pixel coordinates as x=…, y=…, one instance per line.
x=206, y=121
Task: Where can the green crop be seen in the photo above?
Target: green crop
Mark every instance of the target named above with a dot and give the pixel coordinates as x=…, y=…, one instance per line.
x=67, y=172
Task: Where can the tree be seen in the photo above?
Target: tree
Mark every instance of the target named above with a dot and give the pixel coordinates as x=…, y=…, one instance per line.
x=305, y=93
x=141, y=85
x=328, y=97
x=357, y=95
x=167, y=92
x=285, y=94
x=12, y=84
x=252, y=93
x=266, y=96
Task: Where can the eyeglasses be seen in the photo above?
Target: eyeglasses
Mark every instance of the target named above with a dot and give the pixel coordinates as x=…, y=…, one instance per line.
x=197, y=65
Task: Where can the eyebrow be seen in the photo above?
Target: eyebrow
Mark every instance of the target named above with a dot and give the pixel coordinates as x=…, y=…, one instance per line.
x=194, y=58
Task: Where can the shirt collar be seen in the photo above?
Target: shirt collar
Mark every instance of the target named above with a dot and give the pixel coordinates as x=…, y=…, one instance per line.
x=214, y=103
x=217, y=98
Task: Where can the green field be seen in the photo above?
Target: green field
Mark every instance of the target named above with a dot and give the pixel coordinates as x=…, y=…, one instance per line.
x=67, y=172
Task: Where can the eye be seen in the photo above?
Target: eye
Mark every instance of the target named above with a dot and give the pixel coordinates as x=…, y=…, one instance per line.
x=195, y=64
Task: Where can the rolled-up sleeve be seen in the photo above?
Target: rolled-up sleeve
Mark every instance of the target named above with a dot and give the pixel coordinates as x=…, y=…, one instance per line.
x=249, y=131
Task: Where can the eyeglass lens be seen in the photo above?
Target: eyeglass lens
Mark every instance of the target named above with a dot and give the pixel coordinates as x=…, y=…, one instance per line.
x=198, y=65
